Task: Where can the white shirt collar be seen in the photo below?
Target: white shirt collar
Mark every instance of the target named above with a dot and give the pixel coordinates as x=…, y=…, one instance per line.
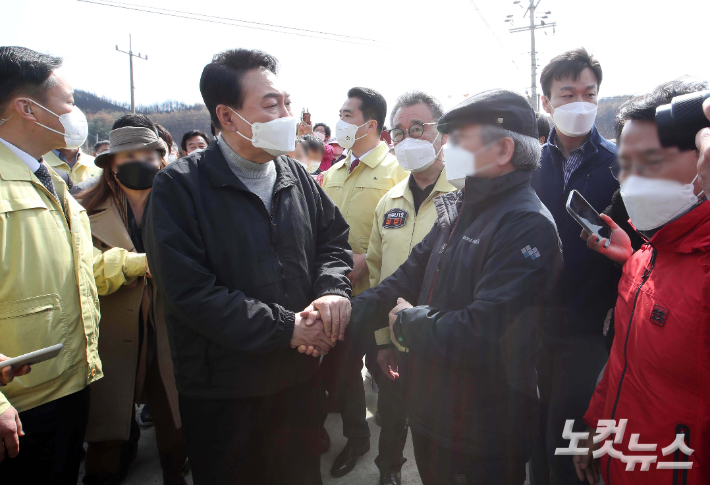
x=29, y=160
x=353, y=157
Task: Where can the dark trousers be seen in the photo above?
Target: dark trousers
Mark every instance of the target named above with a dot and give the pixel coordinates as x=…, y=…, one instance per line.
x=50, y=451
x=441, y=466
x=567, y=372
x=265, y=440
x=341, y=373
x=104, y=458
x=392, y=406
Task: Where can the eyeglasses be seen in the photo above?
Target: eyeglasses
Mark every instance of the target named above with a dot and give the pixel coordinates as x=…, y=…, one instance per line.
x=415, y=131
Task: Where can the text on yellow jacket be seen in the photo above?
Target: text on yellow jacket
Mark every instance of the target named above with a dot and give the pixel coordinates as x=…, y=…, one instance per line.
x=50, y=279
x=356, y=194
x=396, y=229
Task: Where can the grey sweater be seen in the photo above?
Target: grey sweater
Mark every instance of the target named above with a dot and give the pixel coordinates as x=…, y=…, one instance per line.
x=258, y=177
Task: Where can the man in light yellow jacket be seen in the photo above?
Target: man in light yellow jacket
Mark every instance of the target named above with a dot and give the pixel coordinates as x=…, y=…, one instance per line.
x=50, y=275
x=76, y=163
x=356, y=185
x=403, y=217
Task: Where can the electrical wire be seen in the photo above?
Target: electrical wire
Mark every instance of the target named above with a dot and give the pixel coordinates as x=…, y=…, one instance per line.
x=193, y=16
x=242, y=21
x=494, y=35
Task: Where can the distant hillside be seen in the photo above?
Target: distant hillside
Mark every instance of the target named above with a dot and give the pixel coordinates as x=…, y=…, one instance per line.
x=91, y=103
x=177, y=117
x=606, y=113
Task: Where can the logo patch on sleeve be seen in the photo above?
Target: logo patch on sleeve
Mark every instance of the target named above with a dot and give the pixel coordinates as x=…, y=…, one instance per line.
x=659, y=315
x=394, y=218
x=529, y=252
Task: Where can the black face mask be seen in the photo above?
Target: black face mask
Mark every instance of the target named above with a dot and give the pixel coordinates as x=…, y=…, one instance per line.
x=137, y=174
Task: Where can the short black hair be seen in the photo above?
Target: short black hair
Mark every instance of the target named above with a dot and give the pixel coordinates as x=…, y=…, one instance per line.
x=189, y=135
x=544, y=124
x=212, y=130
x=311, y=142
x=221, y=81
x=24, y=71
x=570, y=63
x=326, y=128
x=135, y=120
x=643, y=106
x=165, y=135
x=413, y=98
x=100, y=143
x=372, y=105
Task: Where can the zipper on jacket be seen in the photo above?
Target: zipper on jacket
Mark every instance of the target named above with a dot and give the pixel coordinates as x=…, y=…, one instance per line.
x=441, y=256
x=679, y=456
x=646, y=275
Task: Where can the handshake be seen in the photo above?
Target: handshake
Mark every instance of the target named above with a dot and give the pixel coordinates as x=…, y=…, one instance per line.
x=319, y=326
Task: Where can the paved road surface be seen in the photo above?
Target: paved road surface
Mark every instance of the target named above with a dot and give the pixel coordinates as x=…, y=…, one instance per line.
x=146, y=468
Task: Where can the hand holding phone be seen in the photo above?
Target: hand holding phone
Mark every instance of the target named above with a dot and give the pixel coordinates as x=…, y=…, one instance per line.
x=587, y=217
x=617, y=247
x=20, y=365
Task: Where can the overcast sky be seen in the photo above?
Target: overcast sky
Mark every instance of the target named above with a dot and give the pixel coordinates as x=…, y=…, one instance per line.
x=441, y=46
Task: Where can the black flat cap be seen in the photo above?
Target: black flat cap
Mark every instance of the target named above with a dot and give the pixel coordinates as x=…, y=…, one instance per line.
x=497, y=107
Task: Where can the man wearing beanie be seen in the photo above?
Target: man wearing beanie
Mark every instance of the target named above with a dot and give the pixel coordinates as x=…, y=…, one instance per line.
x=468, y=301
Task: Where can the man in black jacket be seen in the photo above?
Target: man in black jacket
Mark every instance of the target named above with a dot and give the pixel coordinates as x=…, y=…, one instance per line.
x=244, y=245
x=481, y=281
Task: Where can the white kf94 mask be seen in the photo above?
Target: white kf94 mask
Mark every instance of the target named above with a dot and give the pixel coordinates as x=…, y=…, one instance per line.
x=276, y=137
x=415, y=154
x=76, y=128
x=575, y=119
x=652, y=203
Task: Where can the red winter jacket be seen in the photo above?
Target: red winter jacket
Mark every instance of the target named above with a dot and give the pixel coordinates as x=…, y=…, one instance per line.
x=658, y=373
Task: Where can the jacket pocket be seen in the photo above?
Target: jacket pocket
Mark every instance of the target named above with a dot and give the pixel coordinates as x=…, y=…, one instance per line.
x=33, y=324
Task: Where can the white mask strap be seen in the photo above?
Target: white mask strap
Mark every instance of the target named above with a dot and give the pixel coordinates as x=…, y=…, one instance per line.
x=693, y=182
x=48, y=110
x=245, y=121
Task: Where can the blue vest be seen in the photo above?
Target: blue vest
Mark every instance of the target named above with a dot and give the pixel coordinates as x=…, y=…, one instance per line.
x=589, y=280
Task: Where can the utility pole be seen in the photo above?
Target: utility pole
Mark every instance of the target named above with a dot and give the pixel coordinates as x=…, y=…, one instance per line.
x=131, y=55
x=533, y=59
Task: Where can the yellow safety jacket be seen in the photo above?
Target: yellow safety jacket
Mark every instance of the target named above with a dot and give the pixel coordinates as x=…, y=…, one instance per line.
x=356, y=194
x=50, y=280
x=83, y=168
x=396, y=229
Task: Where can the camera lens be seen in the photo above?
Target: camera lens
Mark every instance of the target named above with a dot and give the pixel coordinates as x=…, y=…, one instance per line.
x=679, y=121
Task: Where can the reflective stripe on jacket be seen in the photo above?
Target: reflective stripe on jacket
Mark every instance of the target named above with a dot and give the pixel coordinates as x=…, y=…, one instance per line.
x=356, y=194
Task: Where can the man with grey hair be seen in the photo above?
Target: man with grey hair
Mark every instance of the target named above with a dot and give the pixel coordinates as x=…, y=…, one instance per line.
x=481, y=281
x=403, y=217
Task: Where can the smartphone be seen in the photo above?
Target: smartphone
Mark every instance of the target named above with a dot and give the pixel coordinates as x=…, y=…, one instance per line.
x=306, y=117
x=35, y=357
x=587, y=217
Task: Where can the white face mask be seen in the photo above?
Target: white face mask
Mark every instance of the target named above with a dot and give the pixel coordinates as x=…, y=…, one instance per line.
x=652, y=203
x=319, y=135
x=311, y=165
x=276, y=137
x=172, y=158
x=416, y=154
x=76, y=128
x=575, y=119
x=460, y=163
x=345, y=133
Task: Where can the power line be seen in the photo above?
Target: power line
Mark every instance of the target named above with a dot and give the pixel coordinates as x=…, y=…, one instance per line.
x=193, y=16
x=242, y=21
x=494, y=35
